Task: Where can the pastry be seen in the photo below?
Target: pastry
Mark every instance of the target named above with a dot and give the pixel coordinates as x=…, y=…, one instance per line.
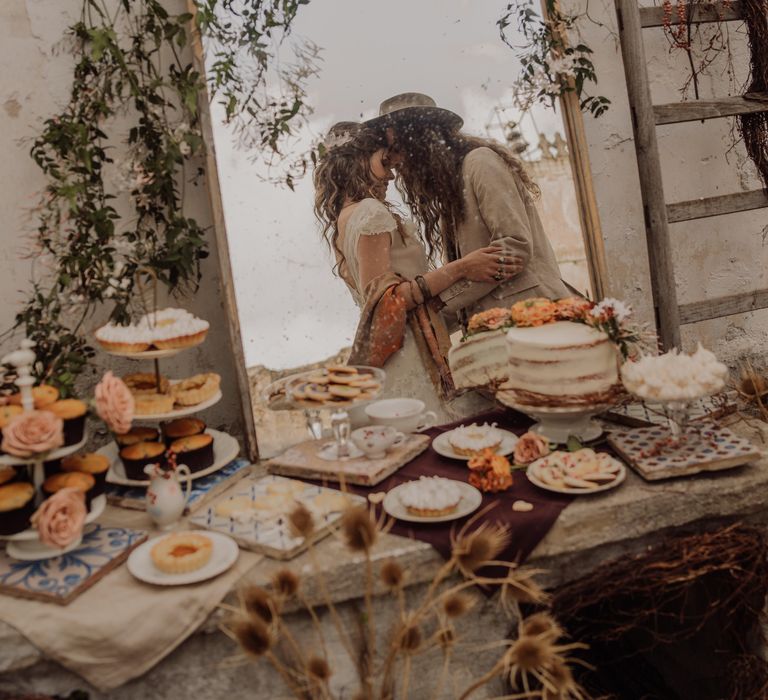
x=42, y=396
x=7, y=475
x=195, y=451
x=182, y=552
x=89, y=463
x=344, y=391
x=430, y=496
x=176, y=328
x=137, y=456
x=182, y=427
x=335, y=384
x=152, y=404
x=582, y=470
x=195, y=390
x=17, y=503
x=124, y=339
x=468, y=440
x=76, y=480
x=8, y=413
x=146, y=383
x=73, y=413
x=137, y=434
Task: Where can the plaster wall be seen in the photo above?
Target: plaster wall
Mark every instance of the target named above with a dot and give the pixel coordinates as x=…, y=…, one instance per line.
x=713, y=257
x=34, y=84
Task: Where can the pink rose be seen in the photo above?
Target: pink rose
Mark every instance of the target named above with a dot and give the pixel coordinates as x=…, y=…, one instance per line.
x=114, y=403
x=531, y=447
x=33, y=432
x=60, y=519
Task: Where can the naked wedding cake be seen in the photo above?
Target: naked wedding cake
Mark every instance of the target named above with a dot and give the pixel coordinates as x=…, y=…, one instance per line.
x=480, y=360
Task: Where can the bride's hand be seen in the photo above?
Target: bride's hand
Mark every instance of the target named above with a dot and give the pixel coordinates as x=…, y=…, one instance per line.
x=490, y=265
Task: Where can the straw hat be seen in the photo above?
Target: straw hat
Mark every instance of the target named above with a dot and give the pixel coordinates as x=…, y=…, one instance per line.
x=414, y=106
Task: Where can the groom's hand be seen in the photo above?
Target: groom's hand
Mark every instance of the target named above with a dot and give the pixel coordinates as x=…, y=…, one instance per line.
x=490, y=265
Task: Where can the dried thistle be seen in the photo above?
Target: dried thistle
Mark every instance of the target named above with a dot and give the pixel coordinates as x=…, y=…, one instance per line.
x=359, y=529
x=301, y=521
x=285, y=583
x=562, y=680
x=446, y=638
x=457, y=604
x=528, y=656
x=520, y=587
x=540, y=624
x=409, y=637
x=392, y=575
x=318, y=669
x=258, y=603
x=479, y=547
x=252, y=634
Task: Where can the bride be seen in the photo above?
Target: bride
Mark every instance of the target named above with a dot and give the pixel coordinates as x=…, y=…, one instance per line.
x=386, y=267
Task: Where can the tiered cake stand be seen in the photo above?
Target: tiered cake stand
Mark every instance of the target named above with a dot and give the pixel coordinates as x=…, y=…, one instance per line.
x=278, y=396
x=26, y=545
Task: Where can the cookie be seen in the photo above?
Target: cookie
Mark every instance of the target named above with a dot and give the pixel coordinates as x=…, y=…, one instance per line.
x=344, y=392
x=317, y=392
x=341, y=369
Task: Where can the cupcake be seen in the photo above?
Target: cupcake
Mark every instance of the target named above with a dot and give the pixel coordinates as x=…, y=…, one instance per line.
x=196, y=451
x=181, y=428
x=17, y=503
x=136, y=457
x=72, y=412
x=7, y=475
x=89, y=463
x=135, y=435
x=7, y=413
x=43, y=396
x=76, y=480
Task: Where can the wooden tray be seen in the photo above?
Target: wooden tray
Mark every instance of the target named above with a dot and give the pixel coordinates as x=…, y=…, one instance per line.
x=302, y=461
x=268, y=531
x=61, y=579
x=710, y=448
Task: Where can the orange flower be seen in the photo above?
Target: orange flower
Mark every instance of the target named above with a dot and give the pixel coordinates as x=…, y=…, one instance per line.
x=573, y=308
x=489, y=320
x=534, y=312
x=490, y=472
x=531, y=447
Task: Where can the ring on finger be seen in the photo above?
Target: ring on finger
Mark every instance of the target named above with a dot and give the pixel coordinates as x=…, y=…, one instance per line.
x=501, y=260
x=499, y=276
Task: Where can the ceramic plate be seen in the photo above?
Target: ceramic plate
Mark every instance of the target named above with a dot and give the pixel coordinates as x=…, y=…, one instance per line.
x=225, y=553
x=225, y=449
x=470, y=501
x=98, y=505
x=55, y=454
x=533, y=477
x=179, y=412
x=442, y=445
x=148, y=354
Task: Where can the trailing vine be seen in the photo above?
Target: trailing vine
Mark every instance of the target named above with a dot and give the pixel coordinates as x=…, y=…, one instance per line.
x=105, y=223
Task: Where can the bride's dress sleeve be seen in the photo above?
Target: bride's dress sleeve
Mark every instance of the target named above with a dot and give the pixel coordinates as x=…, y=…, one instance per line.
x=374, y=218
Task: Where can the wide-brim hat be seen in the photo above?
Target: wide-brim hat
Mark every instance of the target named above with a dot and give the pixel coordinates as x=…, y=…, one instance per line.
x=413, y=106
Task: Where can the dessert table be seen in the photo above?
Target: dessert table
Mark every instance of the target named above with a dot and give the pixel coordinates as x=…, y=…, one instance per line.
x=592, y=530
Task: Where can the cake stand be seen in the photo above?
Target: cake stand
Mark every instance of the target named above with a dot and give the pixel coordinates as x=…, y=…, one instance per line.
x=278, y=397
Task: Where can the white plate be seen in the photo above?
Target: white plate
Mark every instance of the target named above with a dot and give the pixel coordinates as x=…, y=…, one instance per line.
x=146, y=354
x=225, y=449
x=442, y=445
x=532, y=474
x=45, y=457
x=98, y=505
x=224, y=555
x=179, y=412
x=471, y=499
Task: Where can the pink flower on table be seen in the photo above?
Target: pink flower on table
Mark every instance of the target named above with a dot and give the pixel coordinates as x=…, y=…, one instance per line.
x=33, y=432
x=60, y=519
x=114, y=403
x=531, y=447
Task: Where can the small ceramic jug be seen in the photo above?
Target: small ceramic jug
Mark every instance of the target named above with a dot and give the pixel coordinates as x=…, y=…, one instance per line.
x=165, y=498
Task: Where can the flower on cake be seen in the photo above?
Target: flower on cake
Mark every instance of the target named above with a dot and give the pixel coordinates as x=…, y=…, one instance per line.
x=534, y=312
x=531, y=447
x=573, y=308
x=114, y=403
x=60, y=519
x=489, y=320
x=490, y=472
x=608, y=309
x=33, y=432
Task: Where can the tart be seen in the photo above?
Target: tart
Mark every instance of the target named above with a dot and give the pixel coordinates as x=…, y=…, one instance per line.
x=151, y=404
x=89, y=463
x=182, y=552
x=137, y=456
x=141, y=383
x=123, y=339
x=43, y=395
x=470, y=440
x=73, y=413
x=17, y=503
x=76, y=480
x=195, y=390
x=430, y=496
x=137, y=434
x=181, y=428
x=195, y=451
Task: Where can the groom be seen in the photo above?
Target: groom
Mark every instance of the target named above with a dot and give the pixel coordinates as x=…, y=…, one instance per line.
x=467, y=193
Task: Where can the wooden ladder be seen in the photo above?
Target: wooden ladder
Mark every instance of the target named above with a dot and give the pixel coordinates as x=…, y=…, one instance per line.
x=632, y=19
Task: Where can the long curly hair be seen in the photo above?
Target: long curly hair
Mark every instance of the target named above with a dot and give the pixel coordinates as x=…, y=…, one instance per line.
x=430, y=178
x=344, y=173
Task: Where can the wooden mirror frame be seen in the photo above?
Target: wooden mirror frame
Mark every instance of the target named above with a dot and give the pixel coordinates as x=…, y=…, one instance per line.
x=578, y=154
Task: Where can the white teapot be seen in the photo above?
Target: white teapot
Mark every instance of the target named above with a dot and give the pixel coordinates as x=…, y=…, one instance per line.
x=165, y=498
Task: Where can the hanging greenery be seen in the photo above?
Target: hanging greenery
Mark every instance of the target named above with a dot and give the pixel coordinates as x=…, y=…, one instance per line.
x=105, y=223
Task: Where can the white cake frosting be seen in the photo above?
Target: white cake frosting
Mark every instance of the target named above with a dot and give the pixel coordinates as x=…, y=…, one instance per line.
x=674, y=376
x=475, y=437
x=561, y=359
x=480, y=360
x=160, y=325
x=430, y=493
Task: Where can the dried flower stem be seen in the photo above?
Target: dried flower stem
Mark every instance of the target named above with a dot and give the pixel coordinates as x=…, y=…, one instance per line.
x=315, y=622
x=486, y=678
x=443, y=675
x=406, y=675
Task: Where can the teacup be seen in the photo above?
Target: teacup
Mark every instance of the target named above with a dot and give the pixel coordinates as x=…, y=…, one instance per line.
x=407, y=415
x=374, y=440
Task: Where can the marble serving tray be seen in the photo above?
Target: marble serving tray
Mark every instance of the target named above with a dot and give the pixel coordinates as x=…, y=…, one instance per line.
x=61, y=579
x=302, y=461
x=709, y=448
x=261, y=523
